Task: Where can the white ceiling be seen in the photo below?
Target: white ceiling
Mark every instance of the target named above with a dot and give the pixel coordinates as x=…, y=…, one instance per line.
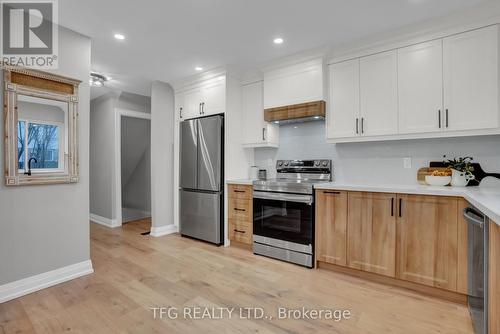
x=166, y=39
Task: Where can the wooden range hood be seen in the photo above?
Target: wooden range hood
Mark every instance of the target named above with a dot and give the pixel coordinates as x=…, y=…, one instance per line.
x=296, y=112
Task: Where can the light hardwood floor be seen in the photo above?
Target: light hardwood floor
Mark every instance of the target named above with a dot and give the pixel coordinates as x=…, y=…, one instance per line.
x=135, y=272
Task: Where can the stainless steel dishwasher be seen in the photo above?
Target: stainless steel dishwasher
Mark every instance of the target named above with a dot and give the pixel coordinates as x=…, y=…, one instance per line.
x=477, y=268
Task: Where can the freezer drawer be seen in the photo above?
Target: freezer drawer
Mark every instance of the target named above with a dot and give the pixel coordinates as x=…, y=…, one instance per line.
x=200, y=214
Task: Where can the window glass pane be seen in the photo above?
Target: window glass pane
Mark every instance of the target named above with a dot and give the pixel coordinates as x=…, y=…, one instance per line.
x=43, y=145
x=21, y=128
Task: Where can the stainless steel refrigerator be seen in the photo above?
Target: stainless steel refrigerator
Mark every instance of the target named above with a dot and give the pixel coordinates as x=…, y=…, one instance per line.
x=201, y=178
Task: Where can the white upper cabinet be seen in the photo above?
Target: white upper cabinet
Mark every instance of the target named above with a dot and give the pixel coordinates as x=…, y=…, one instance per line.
x=420, y=87
x=379, y=94
x=471, y=80
x=441, y=88
x=207, y=97
x=213, y=96
x=295, y=84
x=343, y=111
x=258, y=133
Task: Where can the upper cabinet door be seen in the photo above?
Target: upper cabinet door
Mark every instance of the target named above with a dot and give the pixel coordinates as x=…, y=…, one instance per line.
x=420, y=87
x=343, y=111
x=471, y=80
x=192, y=106
x=379, y=94
x=298, y=83
x=179, y=107
x=213, y=96
x=258, y=132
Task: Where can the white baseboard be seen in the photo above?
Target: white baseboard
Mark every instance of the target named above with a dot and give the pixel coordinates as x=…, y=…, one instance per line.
x=160, y=231
x=129, y=214
x=111, y=223
x=31, y=284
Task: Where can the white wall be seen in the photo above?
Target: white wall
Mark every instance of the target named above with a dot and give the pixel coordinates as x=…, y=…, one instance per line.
x=46, y=227
x=375, y=162
x=162, y=153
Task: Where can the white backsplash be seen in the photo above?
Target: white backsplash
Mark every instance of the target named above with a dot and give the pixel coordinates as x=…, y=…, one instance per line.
x=376, y=162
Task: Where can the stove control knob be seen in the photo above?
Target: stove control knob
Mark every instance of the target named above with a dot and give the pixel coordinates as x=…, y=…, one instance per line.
x=280, y=163
x=325, y=163
x=316, y=163
x=286, y=163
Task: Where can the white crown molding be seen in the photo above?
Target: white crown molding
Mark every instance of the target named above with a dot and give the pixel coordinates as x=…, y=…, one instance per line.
x=31, y=284
x=111, y=223
x=194, y=80
x=161, y=231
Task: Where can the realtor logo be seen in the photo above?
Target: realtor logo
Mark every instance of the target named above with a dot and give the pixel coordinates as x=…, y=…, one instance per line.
x=29, y=33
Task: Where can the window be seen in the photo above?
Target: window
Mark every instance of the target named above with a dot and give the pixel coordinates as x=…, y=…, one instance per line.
x=42, y=141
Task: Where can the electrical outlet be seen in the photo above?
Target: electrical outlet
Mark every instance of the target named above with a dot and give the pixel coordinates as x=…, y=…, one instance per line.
x=407, y=163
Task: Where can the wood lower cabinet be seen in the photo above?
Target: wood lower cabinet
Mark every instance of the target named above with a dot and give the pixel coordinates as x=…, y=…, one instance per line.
x=421, y=240
x=371, y=231
x=427, y=240
x=240, y=213
x=331, y=226
x=494, y=279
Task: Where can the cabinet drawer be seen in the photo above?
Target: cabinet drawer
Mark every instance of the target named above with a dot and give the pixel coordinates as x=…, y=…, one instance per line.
x=240, y=209
x=240, y=231
x=239, y=191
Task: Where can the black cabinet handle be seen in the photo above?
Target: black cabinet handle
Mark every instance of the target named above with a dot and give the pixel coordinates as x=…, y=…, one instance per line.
x=236, y=209
x=263, y=134
x=180, y=112
x=392, y=207
x=357, y=125
x=203, y=108
x=439, y=118
x=446, y=117
x=239, y=231
x=240, y=191
x=332, y=192
x=362, y=125
x=400, y=207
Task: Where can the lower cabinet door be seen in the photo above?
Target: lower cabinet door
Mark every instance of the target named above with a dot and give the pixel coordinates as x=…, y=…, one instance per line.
x=371, y=232
x=331, y=223
x=427, y=232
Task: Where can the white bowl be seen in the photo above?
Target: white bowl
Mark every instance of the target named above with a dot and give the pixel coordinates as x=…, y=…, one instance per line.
x=437, y=180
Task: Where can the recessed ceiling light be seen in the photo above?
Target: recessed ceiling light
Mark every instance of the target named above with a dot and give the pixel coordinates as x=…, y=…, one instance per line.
x=120, y=37
x=278, y=40
x=198, y=68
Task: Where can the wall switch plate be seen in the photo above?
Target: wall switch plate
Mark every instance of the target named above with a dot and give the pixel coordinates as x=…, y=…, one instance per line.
x=407, y=163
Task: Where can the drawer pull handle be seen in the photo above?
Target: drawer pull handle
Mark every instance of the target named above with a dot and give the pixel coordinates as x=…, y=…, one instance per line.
x=239, y=231
x=236, y=209
x=332, y=192
x=240, y=191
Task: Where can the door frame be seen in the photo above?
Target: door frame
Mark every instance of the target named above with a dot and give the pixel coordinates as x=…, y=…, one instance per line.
x=119, y=113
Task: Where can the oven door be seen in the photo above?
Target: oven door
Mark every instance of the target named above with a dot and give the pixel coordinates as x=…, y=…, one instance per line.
x=286, y=217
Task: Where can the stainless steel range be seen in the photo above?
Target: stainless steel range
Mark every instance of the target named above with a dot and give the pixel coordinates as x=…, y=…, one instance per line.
x=283, y=210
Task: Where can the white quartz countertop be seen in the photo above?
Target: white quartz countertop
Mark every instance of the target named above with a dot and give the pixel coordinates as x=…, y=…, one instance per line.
x=486, y=199
x=246, y=182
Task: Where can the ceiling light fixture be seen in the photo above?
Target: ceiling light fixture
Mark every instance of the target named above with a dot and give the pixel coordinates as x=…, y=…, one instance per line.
x=278, y=40
x=120, y=37
x=97, y=80
x=198, y=68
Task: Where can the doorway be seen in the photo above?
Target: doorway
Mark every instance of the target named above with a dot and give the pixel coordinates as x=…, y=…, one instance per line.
x=133, y=166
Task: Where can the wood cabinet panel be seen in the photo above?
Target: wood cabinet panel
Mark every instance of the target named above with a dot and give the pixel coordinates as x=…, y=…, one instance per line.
x=239, y=191
x=240, y=231
x=240, y=209
x=462, y=247
x=371, y=232
x=494, y=279
x=427, y=237
x=331, y=224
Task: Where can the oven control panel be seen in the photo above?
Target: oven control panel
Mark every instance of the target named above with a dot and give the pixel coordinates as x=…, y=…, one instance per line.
x=291, y=166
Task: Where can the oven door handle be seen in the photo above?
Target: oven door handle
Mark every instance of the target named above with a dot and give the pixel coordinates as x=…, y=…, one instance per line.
x=307, y=199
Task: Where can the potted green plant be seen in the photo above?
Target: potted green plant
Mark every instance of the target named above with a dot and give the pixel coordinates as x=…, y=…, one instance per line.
x=461, y=170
